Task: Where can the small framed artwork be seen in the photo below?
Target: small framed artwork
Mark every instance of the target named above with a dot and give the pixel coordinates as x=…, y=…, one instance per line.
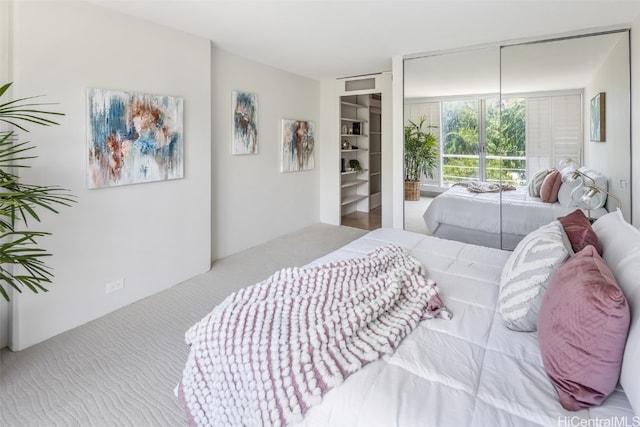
x=598, y=117
x=245, y=122
x=356, y=128
x=297, y=145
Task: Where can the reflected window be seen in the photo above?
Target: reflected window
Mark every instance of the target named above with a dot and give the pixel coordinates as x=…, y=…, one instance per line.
x=503, y=140
x=506, y=141
x=460, y=141
x=483, y=139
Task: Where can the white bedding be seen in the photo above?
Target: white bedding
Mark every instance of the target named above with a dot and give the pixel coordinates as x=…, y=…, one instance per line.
x=480, y=218
x=467, y=371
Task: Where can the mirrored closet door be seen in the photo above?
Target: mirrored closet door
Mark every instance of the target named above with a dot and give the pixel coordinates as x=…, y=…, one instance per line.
x=453, y=98
x=499, y=116
x=576, y=98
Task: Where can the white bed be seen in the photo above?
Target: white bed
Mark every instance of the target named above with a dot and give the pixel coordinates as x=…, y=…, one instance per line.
x=470, y=370
x=496, y=220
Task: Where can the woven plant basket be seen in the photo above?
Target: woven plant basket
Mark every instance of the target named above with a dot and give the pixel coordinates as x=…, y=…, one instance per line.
x=412, y=190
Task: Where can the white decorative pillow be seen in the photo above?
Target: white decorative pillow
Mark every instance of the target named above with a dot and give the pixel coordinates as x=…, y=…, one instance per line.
x=621, y=250
x=536, y=182
x=526, y=274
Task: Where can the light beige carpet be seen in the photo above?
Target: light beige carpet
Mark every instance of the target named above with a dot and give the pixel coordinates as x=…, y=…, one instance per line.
x=121, y=369
x=413, y=211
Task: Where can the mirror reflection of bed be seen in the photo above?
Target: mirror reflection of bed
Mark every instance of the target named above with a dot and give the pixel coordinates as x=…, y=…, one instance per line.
x=524, y=111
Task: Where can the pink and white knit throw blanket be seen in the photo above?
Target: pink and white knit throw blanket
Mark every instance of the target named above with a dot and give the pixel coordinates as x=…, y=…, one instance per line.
x=270, y=351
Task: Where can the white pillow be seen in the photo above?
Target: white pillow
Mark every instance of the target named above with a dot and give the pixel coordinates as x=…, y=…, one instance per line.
x=527, y=272
x=621, y=250
x=536, y=182
x=564, y=194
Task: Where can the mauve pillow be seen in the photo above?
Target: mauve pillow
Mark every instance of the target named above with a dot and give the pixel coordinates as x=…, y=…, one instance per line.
x=579, y=231
x=535, y=183
x=550, y=187
x=582, y=329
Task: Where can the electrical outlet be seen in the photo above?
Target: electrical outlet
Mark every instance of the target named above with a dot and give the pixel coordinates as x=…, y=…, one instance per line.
x=114, y=286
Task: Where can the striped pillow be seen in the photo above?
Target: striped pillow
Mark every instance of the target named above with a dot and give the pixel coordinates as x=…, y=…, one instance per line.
x=536, y=182
x=526, y=274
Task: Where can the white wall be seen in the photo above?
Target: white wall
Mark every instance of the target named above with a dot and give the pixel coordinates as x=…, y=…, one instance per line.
x=635, y=122
x=611, y=157
x=153, y=235
x=330, y=210
x=5, y=76
x=252, y=200
x=397, y=162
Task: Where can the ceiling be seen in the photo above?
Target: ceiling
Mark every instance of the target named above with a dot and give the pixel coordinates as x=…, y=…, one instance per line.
x=334, y=38
x=556, y=65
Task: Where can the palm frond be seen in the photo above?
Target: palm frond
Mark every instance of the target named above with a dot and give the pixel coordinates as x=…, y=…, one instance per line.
x=22, y=262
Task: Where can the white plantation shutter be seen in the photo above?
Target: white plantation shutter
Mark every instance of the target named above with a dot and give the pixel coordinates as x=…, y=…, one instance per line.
x=538, y=130
x=554, y=131
x=431, y=111
x=567, y=131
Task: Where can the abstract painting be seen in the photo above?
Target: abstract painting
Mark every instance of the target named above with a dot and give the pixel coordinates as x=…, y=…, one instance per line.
x=245, y=122
x=598, y=118
x=297, y=145
x=133, y=138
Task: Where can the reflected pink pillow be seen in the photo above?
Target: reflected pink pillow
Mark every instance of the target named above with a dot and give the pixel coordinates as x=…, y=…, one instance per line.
x=582, y=329
x=578, y=229
x=550, y=187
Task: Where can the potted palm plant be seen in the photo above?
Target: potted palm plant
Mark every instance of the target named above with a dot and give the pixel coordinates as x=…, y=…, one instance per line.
x=420, y=156
x=21, y=257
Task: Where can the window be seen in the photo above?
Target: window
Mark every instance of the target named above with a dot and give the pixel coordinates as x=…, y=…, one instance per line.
x=488, y=139
x=484, y=139
x=460, y=138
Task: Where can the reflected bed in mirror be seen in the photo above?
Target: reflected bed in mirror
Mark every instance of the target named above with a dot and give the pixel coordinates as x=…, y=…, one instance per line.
x=496, y=220
x=503, y=114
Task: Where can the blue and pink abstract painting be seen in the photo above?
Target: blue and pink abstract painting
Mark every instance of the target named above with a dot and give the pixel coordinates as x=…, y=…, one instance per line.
x=133, y=138
x=245, y=122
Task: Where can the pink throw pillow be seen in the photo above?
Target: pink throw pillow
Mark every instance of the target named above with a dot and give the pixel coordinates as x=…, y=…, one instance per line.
x=578, y=229
x=582, y=329
x=550, y=187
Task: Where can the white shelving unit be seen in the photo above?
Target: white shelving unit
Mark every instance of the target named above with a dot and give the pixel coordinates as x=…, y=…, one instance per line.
x=354, y=121
x=375, y=151
x=366, y=130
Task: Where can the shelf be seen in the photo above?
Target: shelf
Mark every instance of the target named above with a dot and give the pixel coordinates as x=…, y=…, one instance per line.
x=346, y=119
x=352, y=172
x=351, y=104
x=374, y=173
x=352, y=199
x=355, y=109
x=353, y=183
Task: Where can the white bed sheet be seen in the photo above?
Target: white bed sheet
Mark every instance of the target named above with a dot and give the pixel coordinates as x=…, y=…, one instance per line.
x=457, y=213
x=467, y=371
